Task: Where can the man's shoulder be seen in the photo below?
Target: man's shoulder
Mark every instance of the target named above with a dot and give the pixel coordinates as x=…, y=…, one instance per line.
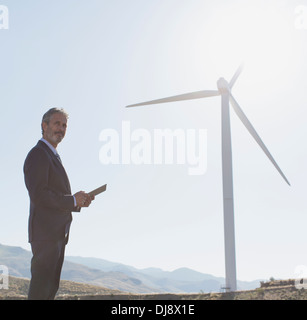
x=37, y=152
x=39, y=147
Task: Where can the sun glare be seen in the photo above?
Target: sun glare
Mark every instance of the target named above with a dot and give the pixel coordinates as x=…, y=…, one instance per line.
x=259, y=35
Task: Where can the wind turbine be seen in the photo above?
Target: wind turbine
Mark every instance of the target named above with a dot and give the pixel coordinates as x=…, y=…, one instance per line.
x=224, y=90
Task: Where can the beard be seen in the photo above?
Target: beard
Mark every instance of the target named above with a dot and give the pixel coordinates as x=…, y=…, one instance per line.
x=54, y=137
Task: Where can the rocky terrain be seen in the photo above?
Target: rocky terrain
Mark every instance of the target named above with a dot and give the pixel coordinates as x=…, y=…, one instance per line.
x=272, y=290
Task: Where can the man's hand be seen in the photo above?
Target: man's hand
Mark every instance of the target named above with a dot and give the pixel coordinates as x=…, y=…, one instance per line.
x=83, y=199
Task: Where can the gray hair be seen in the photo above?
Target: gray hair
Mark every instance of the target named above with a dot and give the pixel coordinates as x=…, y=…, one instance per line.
x=47, y=116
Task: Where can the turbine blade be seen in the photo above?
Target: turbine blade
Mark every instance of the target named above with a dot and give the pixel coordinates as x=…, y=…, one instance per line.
x=236, y=76
x=255, y=135
x=182, y=97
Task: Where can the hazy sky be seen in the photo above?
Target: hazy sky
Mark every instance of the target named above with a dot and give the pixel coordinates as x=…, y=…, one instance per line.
x=95, y=57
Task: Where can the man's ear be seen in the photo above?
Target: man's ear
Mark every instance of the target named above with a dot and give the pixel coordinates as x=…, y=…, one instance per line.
x=44, y=127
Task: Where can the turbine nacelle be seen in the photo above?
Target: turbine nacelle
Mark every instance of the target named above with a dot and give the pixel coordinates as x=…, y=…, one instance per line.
x=223, y=86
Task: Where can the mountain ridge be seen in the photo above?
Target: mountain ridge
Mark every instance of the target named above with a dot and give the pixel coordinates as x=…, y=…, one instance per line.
x=117, y=276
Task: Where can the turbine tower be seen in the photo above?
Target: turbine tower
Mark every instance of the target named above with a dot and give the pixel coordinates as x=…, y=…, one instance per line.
x=224, y=90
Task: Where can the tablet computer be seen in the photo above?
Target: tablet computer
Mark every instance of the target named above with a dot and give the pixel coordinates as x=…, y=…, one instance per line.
x=98, y=190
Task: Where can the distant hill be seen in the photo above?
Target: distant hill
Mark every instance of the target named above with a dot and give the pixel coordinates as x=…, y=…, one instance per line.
x=117, y=276
x=177, y=281
x=19, y=287
x=18, y=261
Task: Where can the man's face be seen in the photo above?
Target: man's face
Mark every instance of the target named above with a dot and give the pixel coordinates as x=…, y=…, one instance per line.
x=54, y=132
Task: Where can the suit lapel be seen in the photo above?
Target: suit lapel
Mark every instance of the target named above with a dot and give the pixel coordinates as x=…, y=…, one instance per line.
x=56, y=162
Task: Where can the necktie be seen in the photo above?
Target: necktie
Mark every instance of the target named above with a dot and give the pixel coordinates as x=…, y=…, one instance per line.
x=58, y=157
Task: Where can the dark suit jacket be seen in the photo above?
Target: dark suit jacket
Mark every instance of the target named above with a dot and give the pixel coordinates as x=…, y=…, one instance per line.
x=51, y=202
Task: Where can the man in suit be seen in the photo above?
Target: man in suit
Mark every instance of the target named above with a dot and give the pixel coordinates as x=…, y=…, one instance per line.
x=51, y=205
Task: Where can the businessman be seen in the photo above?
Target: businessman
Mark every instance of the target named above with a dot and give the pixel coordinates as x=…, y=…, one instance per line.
x=51, y=205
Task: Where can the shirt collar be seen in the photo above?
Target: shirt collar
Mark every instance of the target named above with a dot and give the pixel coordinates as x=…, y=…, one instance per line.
x=50, y=146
